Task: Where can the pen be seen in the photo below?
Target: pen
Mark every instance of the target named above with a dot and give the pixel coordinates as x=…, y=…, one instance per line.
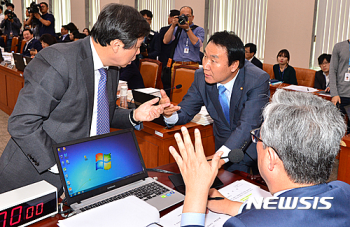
x=216, y=198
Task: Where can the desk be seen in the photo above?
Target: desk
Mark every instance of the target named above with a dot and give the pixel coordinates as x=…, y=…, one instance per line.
x=225, y=176
x=273, y=89
x=344, y=160
x=154, y=141
x=11, y=82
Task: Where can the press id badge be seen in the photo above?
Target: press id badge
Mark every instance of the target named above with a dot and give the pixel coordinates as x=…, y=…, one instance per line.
x=347, y=77
x=186, y=50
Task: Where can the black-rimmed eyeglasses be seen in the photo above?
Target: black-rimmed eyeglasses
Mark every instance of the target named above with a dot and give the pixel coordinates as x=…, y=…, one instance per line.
x=255, y=133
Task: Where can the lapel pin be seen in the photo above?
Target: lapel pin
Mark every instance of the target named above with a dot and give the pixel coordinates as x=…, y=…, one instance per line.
x=241, y=88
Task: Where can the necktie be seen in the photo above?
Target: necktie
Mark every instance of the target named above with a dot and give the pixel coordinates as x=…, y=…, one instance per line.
x=224, y=102
x=102, y=104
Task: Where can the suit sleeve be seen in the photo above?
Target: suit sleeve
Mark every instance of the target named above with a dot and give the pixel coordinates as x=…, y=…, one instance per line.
x=155, y=47
x=251, y=113
x=333, y=72
x=43, y=89
x=37, y=46
x=318, y=84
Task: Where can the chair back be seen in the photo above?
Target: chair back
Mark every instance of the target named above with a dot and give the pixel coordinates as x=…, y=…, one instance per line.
x=22, y=45
x=269, y=69
x=14, y=44
x=305, y=77
x=150, y=70
x=184, y=75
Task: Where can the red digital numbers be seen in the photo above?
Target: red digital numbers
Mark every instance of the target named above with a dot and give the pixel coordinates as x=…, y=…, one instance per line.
x=19, y=215
x=4, y=218
x=16, y=214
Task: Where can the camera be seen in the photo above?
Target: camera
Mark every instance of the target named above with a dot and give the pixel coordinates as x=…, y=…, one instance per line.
x=34, y=8
x=143, y=47
x=9, y=14
x=183, y=19
x=4, y=2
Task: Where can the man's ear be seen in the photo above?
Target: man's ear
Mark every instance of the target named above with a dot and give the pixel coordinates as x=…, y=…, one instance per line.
x=116, y=44
x=273, y=158
x=234, y=66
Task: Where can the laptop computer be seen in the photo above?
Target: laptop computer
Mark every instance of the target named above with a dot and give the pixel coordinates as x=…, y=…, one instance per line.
x=106, y=167
x=28, y=59
x=19, y=62
x=140, y=98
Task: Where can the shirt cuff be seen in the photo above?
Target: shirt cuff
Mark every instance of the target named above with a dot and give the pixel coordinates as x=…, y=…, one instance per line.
x=192, y=219
x=241, y=207
x=54, y=169
x=226, y=150
x=172, y=119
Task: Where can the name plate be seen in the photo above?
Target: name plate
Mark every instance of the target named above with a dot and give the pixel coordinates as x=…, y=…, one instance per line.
x=3, y=63
x=10, y=66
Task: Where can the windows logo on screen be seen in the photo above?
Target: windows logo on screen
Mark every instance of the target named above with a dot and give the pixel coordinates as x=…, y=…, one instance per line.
x=103, y=161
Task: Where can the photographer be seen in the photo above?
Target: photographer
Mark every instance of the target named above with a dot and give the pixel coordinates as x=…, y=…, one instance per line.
x=150, y=48
x=190, y=41
x=11, y=25
x=46, y=22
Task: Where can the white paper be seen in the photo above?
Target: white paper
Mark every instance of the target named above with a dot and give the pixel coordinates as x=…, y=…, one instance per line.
x=130, y=211
x=150, y=90
x=300, y=88
x=237, y=191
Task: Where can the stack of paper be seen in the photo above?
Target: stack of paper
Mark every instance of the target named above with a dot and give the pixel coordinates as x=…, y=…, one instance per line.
x=203, y=117
x=150, y=90
x=237, y=191
x=130, y=211
x=300, y=88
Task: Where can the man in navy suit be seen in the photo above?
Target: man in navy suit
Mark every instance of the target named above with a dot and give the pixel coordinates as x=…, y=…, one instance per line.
x=297, y=145
x=31, y=42
x=250, y=51
x=246, y=93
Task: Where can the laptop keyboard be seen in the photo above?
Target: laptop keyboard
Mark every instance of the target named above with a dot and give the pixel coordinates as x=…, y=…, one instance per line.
x=145, y=192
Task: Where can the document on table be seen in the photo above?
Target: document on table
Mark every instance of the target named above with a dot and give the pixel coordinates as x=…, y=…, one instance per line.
x=237, y=191
x=300, y=88
x=130, y=211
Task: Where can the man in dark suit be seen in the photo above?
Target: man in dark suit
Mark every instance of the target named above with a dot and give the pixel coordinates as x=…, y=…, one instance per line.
x=237, y=109
x=31, y=42
x=322, y=76
x=295, y=156
x=70, y=93
x=250, y=51
x=64, y=34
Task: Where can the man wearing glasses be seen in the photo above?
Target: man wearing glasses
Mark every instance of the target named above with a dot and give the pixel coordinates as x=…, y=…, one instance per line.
x=297, y=145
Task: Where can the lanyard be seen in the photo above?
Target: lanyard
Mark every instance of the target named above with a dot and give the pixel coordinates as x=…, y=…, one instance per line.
x=282, y=73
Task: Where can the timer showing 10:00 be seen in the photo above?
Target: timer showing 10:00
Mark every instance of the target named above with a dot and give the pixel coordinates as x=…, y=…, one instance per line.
x=28, y=204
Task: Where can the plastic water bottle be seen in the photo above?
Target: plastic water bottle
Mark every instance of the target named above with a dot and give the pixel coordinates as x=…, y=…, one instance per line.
x=124, y=97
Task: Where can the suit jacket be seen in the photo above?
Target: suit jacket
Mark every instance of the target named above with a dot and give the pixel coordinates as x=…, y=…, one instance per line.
x=250, y=94
x=320, y=80
x=132, y=75
x=288, y=76
x=34, y=43
x=257, y=62
x=165, y=49
x=337, y=215
x=64, y=39
x=55, y=105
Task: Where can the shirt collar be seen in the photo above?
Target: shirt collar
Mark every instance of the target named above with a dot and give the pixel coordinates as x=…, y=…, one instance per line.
x=30, y=40
x=229, y=85
x=251, y=59
x=95, y=58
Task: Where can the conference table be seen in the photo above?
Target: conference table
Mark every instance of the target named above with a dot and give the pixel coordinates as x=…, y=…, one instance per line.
x=225, y=176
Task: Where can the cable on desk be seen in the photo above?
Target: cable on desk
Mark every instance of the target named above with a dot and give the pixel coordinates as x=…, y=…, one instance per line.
x=160, y=171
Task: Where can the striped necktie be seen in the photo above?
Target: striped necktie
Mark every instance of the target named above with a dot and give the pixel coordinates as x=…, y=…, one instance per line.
x=102, y=104
x=224, y=102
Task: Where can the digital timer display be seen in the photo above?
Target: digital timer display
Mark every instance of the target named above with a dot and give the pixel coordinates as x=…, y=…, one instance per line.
x=28, y=211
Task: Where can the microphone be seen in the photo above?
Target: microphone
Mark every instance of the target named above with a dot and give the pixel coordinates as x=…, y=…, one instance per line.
x=176, y=87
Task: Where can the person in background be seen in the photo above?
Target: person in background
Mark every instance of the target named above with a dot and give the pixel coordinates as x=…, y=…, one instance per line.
x=11, y=26
x=71, y=27
x=297, y=145
x=75, y=35
x=322, y=76
x=283, y=71
x=86, y=31
x=2, y=16
x=250, y=51
x=151, y=46
x=64, y=34
x=46, y=21
x=31, y=42
x=45, y=40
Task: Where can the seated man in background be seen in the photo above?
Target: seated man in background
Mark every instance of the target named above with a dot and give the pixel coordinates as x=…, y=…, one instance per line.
x=250, y=51
x=31, y=42
x=295, y=156
x=322, y=76
x=234, y=92
x=131, y=74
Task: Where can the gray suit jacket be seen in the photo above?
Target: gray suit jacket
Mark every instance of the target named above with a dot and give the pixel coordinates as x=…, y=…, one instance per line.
x=250, y=94
x=54, y=106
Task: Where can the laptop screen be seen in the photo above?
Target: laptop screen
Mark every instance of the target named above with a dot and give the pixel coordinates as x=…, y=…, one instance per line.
x=98, y=162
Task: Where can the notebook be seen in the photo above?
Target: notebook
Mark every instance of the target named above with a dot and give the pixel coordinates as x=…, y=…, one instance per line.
x=19, y=62
x=140, y=98
x=102, y=167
